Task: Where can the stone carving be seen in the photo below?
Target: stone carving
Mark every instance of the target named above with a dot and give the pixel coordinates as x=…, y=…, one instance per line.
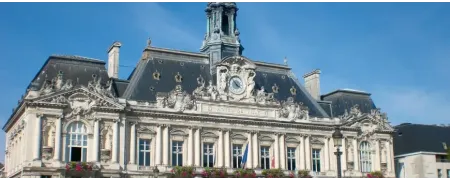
x=47, y=152
x=177, y=99
x=59, y=99
x=96, y=86
x=209, y=93
x=222, y=83
x=250, y=84
x=263, y=97
x=293, y=111
x=56, y=84
x=17, y=130
x=354, y=112
x=105, y=155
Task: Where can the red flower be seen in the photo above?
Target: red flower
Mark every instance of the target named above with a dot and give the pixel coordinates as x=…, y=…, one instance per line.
x=254, y=175
x=171, y=171
x=193, y=174
x=245, y=175
x=78, y=167
x=183, y=174
x=270, y=176
x=369, y=176
x=291, y=175
x=67, y=167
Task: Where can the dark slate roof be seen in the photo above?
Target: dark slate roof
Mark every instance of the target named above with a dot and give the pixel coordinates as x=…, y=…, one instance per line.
x=285, y=83
x=79, y=69
x=326, y=106
x=345, y=99
x=168, y=63
x=410, y=138
x=143, y=87
x=120, y=86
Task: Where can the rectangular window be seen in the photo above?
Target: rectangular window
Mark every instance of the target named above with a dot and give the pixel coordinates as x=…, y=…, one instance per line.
x=177, y=153
x=237, y=155
x=265, y=157
x=208, y=154
x=291, y=158
x=448, y=173
x=144, y=152
x=439, y=173
x=316, y=160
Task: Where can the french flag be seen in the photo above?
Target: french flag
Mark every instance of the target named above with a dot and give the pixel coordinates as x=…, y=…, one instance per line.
x=244, y=157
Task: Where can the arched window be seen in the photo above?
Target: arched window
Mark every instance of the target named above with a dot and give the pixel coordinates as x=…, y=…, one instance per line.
x=365, y=157
x=76, y=142
x=225, y=25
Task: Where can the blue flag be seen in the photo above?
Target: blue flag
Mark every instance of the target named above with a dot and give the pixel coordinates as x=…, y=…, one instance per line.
x=244, y=157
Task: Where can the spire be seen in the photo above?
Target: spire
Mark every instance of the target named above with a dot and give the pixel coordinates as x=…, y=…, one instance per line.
x=222, y=36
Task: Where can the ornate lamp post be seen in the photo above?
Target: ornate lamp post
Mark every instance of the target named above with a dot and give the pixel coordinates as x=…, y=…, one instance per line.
x=155, y=172
x=337, y=137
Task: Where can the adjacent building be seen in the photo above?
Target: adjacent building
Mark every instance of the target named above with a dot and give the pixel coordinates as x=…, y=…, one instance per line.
x=198, y=109
x=421, y=151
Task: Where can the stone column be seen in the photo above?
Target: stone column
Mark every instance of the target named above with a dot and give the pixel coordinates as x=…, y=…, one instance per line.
x=250, y=152
x=227, y=149
x=308, y=152
x=191, y=147
x=391, y=160
x=57, y=155
x=282, y=152
x=38, y=137
x=158, y=145
x=220, y=149
x=198, y=149
x=388, y=156
x=355, y=155
x=377, y=156
x=344, y=154
x=276, y=148
x=133, y=143
x=166, y=145
x=255, y=150
x=115, y=149
x=302, y=159
x=96, y=150
x=326, y=154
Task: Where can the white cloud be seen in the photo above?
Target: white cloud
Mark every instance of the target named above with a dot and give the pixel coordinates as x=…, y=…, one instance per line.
x=413, y=105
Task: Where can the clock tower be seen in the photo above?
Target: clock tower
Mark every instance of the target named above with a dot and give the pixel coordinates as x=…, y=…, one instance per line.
x=222, y=36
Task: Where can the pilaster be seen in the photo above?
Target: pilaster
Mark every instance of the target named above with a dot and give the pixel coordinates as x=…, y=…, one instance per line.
x=198, y=149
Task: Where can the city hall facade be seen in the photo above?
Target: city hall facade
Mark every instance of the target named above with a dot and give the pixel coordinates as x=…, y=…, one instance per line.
x=199, y=109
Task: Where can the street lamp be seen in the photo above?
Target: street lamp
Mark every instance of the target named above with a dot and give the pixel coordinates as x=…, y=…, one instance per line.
x=155, y=172
x=337, y=137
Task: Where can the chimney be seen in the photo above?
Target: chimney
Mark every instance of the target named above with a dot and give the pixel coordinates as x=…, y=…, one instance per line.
x=113, y=60
x=312, y=83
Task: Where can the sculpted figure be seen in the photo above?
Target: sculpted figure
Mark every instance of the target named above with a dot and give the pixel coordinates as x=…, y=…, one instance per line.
x=250, y=85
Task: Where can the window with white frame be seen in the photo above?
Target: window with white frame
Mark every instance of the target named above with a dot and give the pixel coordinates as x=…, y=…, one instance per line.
x=291, y=158
x=237, y=155
x=177, y=153
x=76, y=142
x=265, y=157
x=208, y=154
x=316, y=160
x=365, y=157
x=144, y=152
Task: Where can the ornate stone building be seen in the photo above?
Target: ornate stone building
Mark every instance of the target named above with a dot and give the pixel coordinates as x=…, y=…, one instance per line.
x=190, y=109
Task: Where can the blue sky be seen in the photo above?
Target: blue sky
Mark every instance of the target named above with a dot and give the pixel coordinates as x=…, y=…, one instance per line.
x=399, y=52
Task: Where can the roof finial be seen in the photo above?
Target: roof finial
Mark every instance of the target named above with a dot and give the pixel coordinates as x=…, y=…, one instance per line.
x=285, y=60
x=149, y=42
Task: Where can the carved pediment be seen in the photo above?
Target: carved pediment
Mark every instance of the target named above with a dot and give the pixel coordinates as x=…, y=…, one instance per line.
x=145, y=129
x=266, y=138
x=315, y=140
x=238, y=137
x=177, y=100
x=238, y=61
x=80, y=101
x=369, y=122
x=209, y=134
x=293, y=111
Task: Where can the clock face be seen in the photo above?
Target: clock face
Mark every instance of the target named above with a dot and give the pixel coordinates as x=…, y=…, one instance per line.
x=236, y=85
